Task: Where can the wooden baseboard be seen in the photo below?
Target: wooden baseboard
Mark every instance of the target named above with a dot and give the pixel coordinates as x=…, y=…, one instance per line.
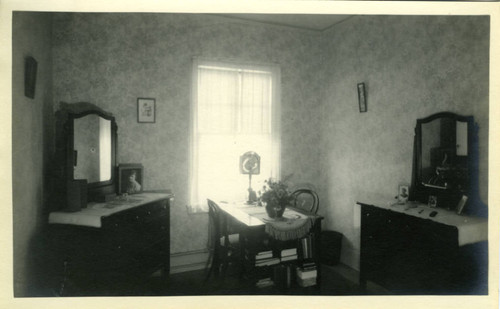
x=188, y=261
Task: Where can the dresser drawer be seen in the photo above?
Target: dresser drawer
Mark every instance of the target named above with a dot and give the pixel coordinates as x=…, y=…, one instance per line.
x=137, y=216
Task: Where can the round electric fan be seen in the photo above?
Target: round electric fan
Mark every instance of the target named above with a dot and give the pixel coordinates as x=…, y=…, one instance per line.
x=250, y=165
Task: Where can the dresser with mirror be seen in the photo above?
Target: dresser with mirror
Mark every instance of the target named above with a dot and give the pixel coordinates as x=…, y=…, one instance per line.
x=437, y=242
x=98, y=242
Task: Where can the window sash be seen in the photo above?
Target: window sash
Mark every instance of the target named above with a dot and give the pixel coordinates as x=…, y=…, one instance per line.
x=240, y=128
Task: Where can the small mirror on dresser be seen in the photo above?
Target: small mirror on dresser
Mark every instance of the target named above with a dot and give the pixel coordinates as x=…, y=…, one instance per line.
x=445, y=164
x=85, y=155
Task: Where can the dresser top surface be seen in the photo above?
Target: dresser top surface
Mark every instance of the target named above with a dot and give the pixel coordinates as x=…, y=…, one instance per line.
x=423, y=211
x=92, y=214
x=470, y=229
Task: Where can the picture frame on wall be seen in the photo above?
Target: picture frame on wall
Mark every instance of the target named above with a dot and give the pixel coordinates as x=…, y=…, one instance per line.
x=130, y=178
x=146, y=110
x=362, y=98
x=30, y=70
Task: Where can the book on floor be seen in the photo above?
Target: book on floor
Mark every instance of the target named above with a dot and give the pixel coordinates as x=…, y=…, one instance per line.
x=262, y=283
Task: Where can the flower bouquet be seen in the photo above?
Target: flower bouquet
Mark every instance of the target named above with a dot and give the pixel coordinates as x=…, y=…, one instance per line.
x=275, y=196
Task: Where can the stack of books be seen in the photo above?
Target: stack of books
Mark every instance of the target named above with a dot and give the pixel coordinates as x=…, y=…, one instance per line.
x=265, y=258
x=288, y=254
x=307, y=274
x=264, y=283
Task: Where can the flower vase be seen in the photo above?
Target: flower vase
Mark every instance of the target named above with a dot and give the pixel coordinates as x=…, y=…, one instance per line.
x=275, y=210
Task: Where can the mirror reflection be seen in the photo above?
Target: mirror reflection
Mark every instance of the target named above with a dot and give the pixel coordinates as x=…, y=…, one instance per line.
x=444, y=154
x=92, y=143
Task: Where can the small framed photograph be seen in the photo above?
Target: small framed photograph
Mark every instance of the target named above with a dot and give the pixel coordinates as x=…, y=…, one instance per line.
x=403, y=193
x=433, y=201
x=146, y=110
x=130, y=178
x=362, y=98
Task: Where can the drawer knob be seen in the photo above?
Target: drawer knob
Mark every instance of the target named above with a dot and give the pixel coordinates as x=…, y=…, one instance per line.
x=368, y=214
x=149, y=212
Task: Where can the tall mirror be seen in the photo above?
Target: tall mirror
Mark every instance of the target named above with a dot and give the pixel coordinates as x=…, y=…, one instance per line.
x=86, y=150
x=92, y=146
x=444, y=153
x=445, y=160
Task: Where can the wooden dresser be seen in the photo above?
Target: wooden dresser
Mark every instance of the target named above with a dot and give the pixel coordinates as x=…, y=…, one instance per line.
x=407, y=251
x=109, y=244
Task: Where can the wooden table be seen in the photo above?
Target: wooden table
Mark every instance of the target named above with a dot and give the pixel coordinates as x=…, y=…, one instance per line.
x=252, y=232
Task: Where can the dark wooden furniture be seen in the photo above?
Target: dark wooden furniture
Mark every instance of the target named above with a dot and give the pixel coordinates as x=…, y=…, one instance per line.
x=86, y=152
x=109, y=245
x=254, y=239
x=223, y=246
x=406, y=251
x=445, y=162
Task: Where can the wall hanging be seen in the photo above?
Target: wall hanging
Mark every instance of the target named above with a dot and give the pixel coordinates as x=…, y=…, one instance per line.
x=362, y=98
x=30, y=68
x=146, y=111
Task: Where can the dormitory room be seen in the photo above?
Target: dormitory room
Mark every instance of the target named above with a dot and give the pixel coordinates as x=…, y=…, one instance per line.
x=189, y=154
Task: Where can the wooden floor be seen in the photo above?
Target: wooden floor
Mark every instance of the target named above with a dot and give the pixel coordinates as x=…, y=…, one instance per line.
x=336, y=280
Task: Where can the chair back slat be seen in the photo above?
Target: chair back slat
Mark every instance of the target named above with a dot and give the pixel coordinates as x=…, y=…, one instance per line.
x=219, y=222
x=306, y=199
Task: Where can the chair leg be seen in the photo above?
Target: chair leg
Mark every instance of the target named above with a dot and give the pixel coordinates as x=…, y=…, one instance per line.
x=214, y=265
x=209, y=265
x=224, y=263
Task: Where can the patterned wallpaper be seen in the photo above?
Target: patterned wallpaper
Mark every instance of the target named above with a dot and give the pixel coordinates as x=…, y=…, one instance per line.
x=32, y=128
x=413, y=66
x=112, y=59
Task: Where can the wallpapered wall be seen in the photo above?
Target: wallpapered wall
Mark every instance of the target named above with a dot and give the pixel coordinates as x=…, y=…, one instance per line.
x=112, y=59
x=412, y=66
x=32, y=126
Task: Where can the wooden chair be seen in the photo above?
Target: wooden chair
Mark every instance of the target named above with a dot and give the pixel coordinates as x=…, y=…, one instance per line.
x=224, y=247
x=306, y=199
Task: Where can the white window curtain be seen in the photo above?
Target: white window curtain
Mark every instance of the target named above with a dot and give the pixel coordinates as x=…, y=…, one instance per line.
x=235, y=109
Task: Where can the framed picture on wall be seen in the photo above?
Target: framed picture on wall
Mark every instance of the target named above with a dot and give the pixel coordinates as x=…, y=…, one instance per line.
x=362, y=98
x=146, y=110
x=130, y=178
x=30, y=68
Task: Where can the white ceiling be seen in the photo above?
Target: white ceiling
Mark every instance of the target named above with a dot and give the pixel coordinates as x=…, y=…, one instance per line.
x=318, y=22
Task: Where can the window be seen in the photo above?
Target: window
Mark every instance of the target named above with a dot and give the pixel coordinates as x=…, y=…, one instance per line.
x=235, y=109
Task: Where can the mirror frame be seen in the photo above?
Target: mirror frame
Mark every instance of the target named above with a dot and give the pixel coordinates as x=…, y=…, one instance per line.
x=418, y=191
x=67, y=115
